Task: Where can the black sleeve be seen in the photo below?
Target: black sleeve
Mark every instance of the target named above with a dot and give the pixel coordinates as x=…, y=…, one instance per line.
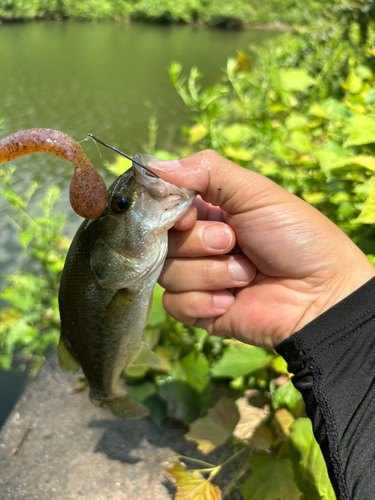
x=333, y=362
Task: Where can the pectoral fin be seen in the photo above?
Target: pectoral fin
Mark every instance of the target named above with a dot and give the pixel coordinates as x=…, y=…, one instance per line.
x=66, y=359
x=145, y=357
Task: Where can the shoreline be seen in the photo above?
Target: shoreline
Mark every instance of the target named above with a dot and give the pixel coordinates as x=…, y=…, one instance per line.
x=281, y=27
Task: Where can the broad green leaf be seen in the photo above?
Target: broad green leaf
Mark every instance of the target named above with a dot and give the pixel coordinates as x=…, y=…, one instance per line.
x=367, y=216
x=298, y=80
x=353, y=83
x=180, y=398
x=286, y=395
x=196, y=368
x=216, y=427
x=239, y=360
x=299, y=141
x=280, y=365
x=361, y=130
x=364, y=161
x=330, y=109
x=157, y=313
x=312, y=464
x=262, y=438
x=270, y=479
x=314, y=198
x=142, y=392
x=197, y=132
x=238, y=153
x=295, y=121
x=191, y=485
x=364, y=72
x=328, y=160
x=238, y=133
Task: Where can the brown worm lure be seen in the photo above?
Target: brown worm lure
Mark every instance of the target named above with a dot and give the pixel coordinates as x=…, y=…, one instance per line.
x=87, y=192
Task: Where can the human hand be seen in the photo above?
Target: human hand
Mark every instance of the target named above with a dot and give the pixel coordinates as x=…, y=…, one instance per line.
x=287, y=264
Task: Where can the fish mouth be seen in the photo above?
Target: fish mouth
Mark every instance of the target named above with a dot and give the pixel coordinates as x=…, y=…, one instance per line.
x=168, y=195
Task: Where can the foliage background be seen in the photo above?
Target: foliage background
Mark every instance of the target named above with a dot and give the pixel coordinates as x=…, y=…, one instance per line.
x=300, y=112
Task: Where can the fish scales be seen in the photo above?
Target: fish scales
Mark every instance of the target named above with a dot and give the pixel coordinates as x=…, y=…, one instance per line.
x=110, y=271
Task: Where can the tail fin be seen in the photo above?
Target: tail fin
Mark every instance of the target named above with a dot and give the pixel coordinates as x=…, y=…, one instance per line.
x=122, y=406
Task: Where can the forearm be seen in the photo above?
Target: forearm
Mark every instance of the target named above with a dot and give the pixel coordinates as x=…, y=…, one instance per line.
x=333, y=362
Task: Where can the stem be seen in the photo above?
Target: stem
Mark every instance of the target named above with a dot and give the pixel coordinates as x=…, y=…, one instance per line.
x=217, y=469
x=199, y=462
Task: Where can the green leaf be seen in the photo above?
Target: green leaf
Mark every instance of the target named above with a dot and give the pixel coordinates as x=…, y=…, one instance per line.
x=216, y=427
x=364, y=72
x=312, y=464
x=328, y=160
x=361, y=130
x=191, y=485
x=157, y=313
x=238, y=133
x=286, y=395
x=295, y=121
x=270, y=479
x=364, y=161
x=239, y=360
x=238, y=153
x=280, y=365
x=196, y=368
x=353, y=83
x=298, y=80
x=197, y=132
x=299, y=141
x=367, y=216
x=314, y=198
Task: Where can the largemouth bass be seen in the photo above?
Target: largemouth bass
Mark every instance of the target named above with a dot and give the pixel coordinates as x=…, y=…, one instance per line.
x=110, y=271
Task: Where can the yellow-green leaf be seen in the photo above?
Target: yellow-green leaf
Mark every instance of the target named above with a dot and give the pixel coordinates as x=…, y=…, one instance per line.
x=314, y=198
x=283, y=420
x=238, y=153
x=216, y=427
x=367, y=216
x=361, y=130
x=364, y=161
x=197, y=132
x=239, y=360
x=191, y=485
x=237, y=133
x=298, y=80
x=353, y=83
x=299, y=141
x=312, y=464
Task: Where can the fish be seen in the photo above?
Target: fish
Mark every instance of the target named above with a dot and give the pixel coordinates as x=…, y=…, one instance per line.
x=107, y=282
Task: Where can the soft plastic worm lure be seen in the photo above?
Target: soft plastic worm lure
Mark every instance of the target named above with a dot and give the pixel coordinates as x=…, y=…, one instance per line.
x=87, y=192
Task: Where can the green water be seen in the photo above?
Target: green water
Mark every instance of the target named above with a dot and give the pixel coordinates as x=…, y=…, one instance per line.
x=80, y=78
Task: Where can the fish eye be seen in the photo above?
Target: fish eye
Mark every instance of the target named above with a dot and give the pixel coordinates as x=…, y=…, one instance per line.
x=120, y=204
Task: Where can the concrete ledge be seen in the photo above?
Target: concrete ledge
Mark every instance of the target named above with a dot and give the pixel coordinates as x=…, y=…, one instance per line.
x=76, y=451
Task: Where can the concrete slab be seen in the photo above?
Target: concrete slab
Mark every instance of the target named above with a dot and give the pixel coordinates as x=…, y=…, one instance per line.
x=75, y=451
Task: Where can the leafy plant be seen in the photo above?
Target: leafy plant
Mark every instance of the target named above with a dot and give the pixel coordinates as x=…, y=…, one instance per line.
x=31, y=325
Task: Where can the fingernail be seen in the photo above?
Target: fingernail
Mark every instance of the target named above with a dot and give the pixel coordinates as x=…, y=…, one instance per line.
x=223, y=299
x=167, y=165
x=217, y=237
x=241, y=269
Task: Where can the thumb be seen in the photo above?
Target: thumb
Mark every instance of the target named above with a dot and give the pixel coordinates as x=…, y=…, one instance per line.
x=218, y=181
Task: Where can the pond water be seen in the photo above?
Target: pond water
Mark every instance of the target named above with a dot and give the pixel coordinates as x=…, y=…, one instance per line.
x=106, y=79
